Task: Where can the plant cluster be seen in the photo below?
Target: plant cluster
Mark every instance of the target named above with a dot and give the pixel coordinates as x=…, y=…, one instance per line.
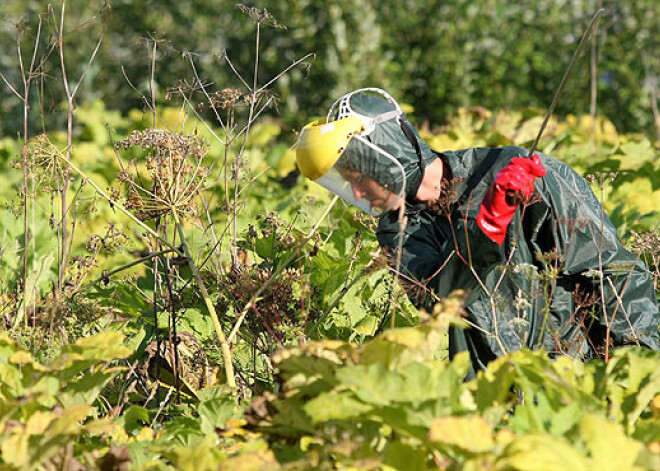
x=187, y=234
x=174, y=162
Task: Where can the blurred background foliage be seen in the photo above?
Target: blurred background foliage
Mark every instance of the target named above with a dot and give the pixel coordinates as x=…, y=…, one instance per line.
x=435, y=55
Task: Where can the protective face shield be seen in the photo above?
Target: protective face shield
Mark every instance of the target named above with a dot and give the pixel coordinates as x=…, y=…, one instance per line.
x=361, y=150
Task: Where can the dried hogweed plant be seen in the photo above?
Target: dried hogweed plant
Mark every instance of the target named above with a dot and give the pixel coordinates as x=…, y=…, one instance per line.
x=177, y=174
x=647, y=246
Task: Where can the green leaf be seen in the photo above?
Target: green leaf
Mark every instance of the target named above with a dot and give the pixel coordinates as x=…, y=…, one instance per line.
x=215, y=412
x=124, y=298
x=635, y=154
x=374, y=384
x=609, y=447
x=15, y=449
x=328, y=273
x=335, y=406
x=404, y=457
x=185, y=431
x=69, y=420
x=36, y=277
x=134, y=419
x=366, y=326
x=86, y=389
x=542, y=452
x=492, y=386
x=104, y=346
x=472, y=434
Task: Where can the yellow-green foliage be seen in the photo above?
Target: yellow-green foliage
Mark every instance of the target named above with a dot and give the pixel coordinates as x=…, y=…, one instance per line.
x=46, y=408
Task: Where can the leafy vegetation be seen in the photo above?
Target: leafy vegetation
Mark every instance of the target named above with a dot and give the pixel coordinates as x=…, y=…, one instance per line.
x=173, y=296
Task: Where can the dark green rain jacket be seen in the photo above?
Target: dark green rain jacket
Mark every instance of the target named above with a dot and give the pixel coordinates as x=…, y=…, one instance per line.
x=521, y=303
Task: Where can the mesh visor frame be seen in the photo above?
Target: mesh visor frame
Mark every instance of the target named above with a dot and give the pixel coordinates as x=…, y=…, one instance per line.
x=342, y=107
x=335, y=182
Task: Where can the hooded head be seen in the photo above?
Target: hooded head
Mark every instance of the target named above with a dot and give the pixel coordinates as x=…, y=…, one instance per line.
x=367, y=145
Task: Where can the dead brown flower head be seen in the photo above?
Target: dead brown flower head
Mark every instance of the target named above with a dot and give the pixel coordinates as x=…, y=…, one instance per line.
x=174, y=162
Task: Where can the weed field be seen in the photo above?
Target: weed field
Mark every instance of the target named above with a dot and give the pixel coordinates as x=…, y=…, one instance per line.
x=174, y=295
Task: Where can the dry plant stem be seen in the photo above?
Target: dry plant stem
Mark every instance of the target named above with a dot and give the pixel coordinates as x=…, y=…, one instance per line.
x=224, y=343
x=25, y=99
x=156, y=274
x=202, y=87
x=435, y=297
x=152, y=82
x=162, y=405
x=237, y=161
x=69, y=139
x=171, y=329
x=214, y=237
x=358, y=245
x=4, y=238
x=654, y=95
x=576, y=54
x=491, y=295
x=27, y=79
x=208, y=256
x=147, y=257
x=227, y=126
x=70, y=95
x=146, y=102
x=619, y=304
x=403, y=222
x=271, y=279
x=601, y=242
x=233, y=255
x=287, y=69
x=594, y=85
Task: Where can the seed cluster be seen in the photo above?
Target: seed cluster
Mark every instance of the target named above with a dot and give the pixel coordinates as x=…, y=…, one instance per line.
x=174, y=162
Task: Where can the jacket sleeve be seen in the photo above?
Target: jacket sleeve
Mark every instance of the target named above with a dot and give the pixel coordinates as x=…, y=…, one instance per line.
x=421, y=251
x=617, y=288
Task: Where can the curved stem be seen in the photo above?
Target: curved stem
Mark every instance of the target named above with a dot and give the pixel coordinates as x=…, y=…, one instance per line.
x=224, y=344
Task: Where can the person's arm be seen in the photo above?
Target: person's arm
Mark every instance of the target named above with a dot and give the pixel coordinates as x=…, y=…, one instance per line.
x=420, y=253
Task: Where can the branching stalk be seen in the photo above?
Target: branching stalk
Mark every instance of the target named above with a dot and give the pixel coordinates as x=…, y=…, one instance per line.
x=70, y=96
x=149, y=256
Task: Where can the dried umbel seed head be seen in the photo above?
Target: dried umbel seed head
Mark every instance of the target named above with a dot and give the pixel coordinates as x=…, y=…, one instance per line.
x=43, y=161
x=177, y=174
x=260, y=16
x=113, y=240
x=280, y=308
x=646, y=243
x=226, y=98
x=165, y=143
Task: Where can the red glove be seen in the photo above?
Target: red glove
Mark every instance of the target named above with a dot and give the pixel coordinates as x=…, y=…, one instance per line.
x=496, y=211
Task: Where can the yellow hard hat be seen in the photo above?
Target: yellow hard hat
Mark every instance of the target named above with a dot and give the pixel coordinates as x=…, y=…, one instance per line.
x=320, y=144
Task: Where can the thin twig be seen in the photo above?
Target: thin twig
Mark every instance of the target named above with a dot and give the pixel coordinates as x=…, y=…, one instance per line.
x=70, y=107
x=106, y=275
x=654, y=94
x=287, y=69
x=594, y=85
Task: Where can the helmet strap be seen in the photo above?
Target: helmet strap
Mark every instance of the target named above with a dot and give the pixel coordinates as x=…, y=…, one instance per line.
x=410, y=134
